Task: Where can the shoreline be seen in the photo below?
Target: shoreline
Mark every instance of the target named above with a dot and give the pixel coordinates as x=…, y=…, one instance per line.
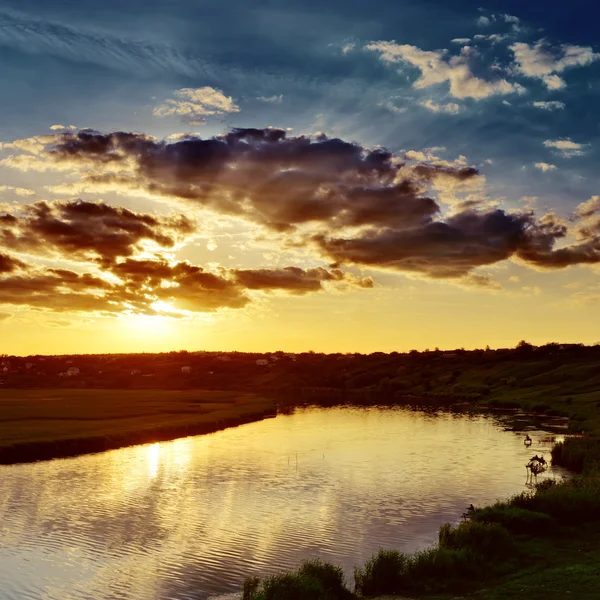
x=30, y=452
x=90, y=428
x=43, y=450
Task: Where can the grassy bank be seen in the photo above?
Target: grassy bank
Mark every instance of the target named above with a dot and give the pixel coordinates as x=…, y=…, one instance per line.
x=545, y=542
x=44, y=424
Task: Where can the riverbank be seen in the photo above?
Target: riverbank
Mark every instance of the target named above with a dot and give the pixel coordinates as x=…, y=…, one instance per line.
x=541, y=544
x=45, y=424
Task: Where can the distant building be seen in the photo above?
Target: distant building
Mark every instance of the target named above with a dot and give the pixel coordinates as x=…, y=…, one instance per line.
x=72, y=372
x=28, y=365
x=223, y=358
x=186, y=370
x=261, y=362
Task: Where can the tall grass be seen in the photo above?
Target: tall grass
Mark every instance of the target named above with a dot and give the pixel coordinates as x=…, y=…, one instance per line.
x=579, y=454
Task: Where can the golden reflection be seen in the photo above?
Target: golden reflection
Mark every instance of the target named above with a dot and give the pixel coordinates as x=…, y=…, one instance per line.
x=228, y=504
x=153, y=460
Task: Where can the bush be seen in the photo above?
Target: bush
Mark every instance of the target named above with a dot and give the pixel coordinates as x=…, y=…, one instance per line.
x=330, y=577
x=289, y=586
x=482, y=540
x=515, y=519
x=383, y=574
x=441, y=569
x=573, y=502
x=314, y=580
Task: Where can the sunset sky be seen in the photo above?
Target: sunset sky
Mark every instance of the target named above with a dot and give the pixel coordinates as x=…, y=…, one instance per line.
x=298, y=175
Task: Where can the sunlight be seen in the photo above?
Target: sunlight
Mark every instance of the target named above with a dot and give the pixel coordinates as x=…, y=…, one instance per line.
x=153, y=460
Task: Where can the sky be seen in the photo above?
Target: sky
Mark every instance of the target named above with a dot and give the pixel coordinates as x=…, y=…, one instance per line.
x=328, y=176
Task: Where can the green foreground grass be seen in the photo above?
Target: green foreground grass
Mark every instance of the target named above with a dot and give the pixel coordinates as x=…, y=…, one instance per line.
x=39, y=424
x=542, y=544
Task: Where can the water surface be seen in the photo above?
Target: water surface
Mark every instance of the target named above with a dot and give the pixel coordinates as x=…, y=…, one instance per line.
x=191, y=518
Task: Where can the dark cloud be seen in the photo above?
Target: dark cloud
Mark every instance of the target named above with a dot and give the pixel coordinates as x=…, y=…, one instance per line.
x=367, y=206
x=88, y=230
x=461, y=243
x=185, y=286
x=138, y=284
x=8, y=264
x=296, y=280
x=262, y=175
x=59, y=290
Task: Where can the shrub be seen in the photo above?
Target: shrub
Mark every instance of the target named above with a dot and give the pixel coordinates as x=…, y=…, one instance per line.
x=330, y=577
x=440, y=569
x=515, y=519
x=250, y=586
x=482, y=540
x=289, y=586
x=573, y=502
x=314, y=580
x=383, y=574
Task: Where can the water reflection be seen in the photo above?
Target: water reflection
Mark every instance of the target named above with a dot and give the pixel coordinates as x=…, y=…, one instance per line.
x=192, y=517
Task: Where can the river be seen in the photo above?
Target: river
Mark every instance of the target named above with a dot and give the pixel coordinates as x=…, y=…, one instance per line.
x=189, y=519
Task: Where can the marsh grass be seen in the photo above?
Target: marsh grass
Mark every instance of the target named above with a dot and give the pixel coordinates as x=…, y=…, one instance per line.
x=578, y=454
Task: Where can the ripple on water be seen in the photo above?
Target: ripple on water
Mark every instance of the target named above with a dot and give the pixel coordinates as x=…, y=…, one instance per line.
x=189, y=519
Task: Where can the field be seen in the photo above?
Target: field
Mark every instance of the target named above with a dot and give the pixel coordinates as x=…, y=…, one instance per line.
x=39, y=423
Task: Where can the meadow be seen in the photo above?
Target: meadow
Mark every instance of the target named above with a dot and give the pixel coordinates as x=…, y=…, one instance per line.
x=49, y=423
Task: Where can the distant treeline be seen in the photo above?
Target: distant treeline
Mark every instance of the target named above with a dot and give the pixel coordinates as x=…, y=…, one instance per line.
x=542, y=375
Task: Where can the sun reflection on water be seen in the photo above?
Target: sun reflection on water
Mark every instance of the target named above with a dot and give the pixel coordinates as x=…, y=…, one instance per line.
x=192, y=517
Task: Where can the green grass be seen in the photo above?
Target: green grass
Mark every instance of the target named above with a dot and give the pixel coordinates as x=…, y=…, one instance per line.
x=48, y=419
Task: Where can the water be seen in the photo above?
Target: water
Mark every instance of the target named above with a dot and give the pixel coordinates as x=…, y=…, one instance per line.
x=191, y=518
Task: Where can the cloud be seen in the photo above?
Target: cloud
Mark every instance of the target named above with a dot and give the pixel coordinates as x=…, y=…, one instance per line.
x=275, y=99
x=588, y=208
x=436, y=68
x=296, y=280
x=483, y=21
x=393, y=108
x=349, y=203
x=9, y=264
x=348, y=47
x=461, y=41
x=156, y=286
x=19, y=191
x=587, y=219
x=550, y=105
x=59, y=290
x=59, y=127
x=259, y=175
x=566, y=147
x=4, y=316
x=454, y=247
x=542, y=61
x=88, y=230
x=450, y=108
x=194, y=104
x=542, y=166
x=511, y=19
